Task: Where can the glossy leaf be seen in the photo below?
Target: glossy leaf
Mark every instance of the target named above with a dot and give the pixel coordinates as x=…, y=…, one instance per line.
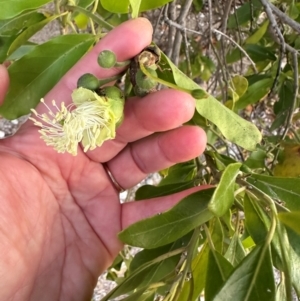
x=258, y=34
x=240, y=85
x=242, y=15
x=9, y=9
x=5, y=42
x=149, y=191
x=164, y=228
x=283, y=190
x=218, y=270
x=280, y=292
x=232, y=126
x=223, y=196
x=283, y=105
x=199, y=272
x=29, y=32
x=255, y=93
x=254, y=220
x=32, y=76
x=92, y=16
x=256, y=159
x=255, y=269
x=15, y=25
x=135, y=279
x=135, y=7
x=217, y=234
x=156, y=272
x=180, y=173
x=235, y=252
x=291, y=219
x=122, y=7
x=259, y=53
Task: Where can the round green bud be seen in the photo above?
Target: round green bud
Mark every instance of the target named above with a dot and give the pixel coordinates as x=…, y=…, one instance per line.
x=198, y=94
x=88, y=81
x=111, y=92
x=143, y=81
x=107, y=59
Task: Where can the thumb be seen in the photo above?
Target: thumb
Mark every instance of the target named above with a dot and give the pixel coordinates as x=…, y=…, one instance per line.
x=4, y=82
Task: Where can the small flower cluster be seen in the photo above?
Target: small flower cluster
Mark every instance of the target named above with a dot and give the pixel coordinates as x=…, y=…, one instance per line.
x=91, y=119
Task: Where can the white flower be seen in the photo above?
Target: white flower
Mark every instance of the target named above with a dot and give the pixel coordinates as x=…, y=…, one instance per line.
x=92, y=121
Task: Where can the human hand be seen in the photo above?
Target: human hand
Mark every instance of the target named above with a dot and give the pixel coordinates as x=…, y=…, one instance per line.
x=60, y=214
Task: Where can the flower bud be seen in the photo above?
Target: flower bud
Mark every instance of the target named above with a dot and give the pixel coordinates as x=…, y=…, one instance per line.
x=198, y=94
x=88, y=81
x=107, y=59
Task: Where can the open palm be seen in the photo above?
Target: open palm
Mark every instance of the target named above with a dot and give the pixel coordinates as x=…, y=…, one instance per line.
x=59, y=214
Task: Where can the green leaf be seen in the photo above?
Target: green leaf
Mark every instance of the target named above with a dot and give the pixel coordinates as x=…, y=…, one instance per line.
x=217, y=234
x=135, y=7
x=233, y=127
x=254, y=220
x=280, y=292
x=284, y=190
x=256, y=159
x=15, y=25
x=252, y=279
x=36, y=73
x=136, y=295
x=199, y=272
x=218, y=270
x=291, y=219
x=240, y=84
x=235, y=252
x=5, y=42
x=10, y=10
x=164, y=228
x=156, y=272
x=29, y=32
x=260, y=53
x=149, y=191
x=243, y=14
x=180, y=173
x=258, y=34
x=223, y=196
x=89, y=14
x=134, y=279
x=255, y=92
x=122, y=7
x=24, y=49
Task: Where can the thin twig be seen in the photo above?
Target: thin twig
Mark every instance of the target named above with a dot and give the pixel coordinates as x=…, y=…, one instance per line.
x=240, y=48
x=171, y=11
x=295, y=95
x=285, y=18
x=187, y=55
x=178, y=37
x=210, y=27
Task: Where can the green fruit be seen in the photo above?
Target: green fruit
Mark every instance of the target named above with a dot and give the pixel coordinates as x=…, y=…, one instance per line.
x=143, y=81
x=107, y=59
x=88, y=81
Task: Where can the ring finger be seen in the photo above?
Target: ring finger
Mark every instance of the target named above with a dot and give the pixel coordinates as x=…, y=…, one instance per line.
x=156, y=152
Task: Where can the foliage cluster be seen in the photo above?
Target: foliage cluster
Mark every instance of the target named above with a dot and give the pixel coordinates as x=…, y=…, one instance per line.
x=239, y=59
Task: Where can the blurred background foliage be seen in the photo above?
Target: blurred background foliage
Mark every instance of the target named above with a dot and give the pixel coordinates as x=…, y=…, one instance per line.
x=239, y=240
